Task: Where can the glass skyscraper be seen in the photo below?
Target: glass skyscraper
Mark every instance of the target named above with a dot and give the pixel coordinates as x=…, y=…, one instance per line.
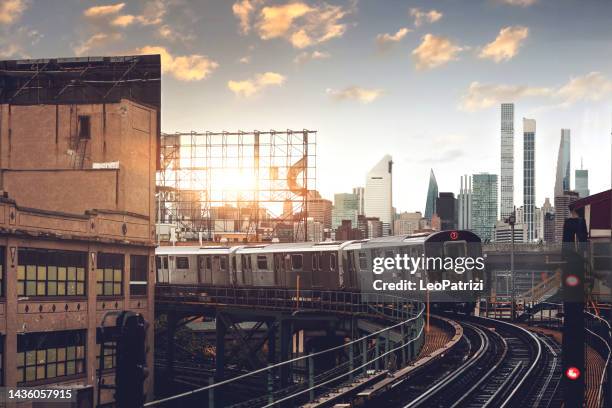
x=507, y=160
x=529, y=131
x=432, y=195
x=346, y=207
x=484, y=205
x=562, y=179
x=379, y=193
x=582, y=183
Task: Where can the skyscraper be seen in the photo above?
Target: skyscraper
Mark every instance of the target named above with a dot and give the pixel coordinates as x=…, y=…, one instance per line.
x=562, y=211
x=582, y=182
x=360, y=193
x=507, y=160
x=346, y=207
x=562, y=179
x=432, y=194
x=529, y=131
x=378, y=193
x=446, y=209
x=464, y=204
x=484, y=204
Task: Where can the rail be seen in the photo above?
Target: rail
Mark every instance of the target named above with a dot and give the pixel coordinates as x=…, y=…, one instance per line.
x=408, y=315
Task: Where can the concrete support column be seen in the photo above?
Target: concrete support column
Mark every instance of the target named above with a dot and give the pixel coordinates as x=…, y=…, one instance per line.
x=220, y=348
x=10, y=341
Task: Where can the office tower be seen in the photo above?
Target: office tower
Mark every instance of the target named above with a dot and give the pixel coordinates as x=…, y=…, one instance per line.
x=432, y=194
x=562, y=211
x=503, y=232
x=484, y=204
x=319, y=209
x=507, y=160
x=562, y=179
x=582, y=183
x=445, y=208
x=529, y=130
x=464, y=204
x=360, y=193
x=407, y=223
x=378, y=193
x=547, y=221
x=346, y=207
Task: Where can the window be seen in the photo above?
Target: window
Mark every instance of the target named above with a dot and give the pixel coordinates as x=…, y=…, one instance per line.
x=42, y=356
x=296, y=262
x=234, y=263
x=208, y=262
x=138, y=275
x=315, y=262
x=84, y=127
x=182, y=262
x=223, y=263
x=109, y=361
x=2, y=266
x=332, y=262
x=262, y=262
x=109, y=274
x=43, y=272
x=363, y=261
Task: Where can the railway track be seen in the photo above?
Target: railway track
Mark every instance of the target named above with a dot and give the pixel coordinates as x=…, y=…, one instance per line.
x=497, y=364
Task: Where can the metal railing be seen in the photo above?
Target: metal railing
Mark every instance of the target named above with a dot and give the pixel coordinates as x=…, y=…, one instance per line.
x=369, y=352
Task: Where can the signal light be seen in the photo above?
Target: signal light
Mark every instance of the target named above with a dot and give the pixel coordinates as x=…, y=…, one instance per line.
x=572, y=373
x=572, y=280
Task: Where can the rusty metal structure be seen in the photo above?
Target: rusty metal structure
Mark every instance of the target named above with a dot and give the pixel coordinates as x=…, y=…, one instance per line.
x=236, y=186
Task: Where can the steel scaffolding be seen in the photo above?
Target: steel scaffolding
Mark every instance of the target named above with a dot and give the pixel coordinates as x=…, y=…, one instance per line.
x=241, y=186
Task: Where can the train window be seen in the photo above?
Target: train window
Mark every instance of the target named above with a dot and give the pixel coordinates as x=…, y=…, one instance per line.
x=389, y=254
x=332, y=262
x=296, y=262
x=165, y=262
x=315, y=262
x=182, y=262
x=363, y=261
x=262, y=262
x=455, y=249
x=208, y=262
x=249, y=262
x=158, y=262
x=223, y=263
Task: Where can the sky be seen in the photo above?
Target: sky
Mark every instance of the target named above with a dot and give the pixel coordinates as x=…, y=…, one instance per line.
x=419, y=80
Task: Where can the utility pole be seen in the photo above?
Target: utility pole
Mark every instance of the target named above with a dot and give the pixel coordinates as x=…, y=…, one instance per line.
x=512, y=221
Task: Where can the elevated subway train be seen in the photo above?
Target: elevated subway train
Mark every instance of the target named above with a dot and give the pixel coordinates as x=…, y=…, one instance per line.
x=335, y=265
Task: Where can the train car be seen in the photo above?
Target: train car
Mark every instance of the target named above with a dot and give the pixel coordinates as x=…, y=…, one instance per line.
x=196, y=265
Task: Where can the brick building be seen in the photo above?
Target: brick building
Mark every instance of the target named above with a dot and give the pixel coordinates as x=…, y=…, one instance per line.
x=78, y=155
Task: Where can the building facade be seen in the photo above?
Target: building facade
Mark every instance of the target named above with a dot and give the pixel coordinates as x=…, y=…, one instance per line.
x=484, y=205
x=77, y=220
x=346, y=207
x=582, y=183
x=529, y=133
x=562, y=211
x=320, y=209
x=464, y=204
x=503, y=232
x=507, y=160
x=407, y=223
x=378, y=194
x=446, y=207
x=360, y=193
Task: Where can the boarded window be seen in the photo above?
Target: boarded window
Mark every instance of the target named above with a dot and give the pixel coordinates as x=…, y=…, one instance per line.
x=84, y=127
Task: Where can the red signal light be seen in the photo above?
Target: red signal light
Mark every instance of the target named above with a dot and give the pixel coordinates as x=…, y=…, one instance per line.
x=572, y=373
x=454, y=235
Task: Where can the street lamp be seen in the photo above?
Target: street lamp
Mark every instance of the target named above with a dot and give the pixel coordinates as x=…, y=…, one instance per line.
x=511, y=220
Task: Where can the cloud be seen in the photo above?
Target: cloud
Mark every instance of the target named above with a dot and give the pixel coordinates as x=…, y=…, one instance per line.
x=13, y=42
x=245, y=60
x=250, y=87
x=11, y=10
x=421, y=16
x=591, y=87
x=297, y=22
x=506, y=45
x=193, y=67
x=96, y=41
x=355, y=93
x=520, y=3
x=167, y=32
x=435, y=51
x=481, y=96
x=123, y=20
x=243, y=10
x=100, y=11
x=306, y=56
x=386, y=40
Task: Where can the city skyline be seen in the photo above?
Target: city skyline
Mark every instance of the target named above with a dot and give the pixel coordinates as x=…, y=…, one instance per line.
x=403, y=79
